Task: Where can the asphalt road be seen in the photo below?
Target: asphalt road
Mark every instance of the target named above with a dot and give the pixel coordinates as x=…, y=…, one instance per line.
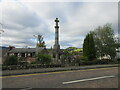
x=90, y=78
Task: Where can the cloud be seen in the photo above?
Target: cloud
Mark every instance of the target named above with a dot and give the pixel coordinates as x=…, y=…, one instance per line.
x=23, y=19
x=16, y=15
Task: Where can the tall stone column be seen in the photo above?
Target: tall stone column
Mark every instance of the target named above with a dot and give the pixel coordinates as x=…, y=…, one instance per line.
x=56, y=45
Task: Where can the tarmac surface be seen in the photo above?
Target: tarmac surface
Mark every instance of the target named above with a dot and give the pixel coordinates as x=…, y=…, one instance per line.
x=88, y=78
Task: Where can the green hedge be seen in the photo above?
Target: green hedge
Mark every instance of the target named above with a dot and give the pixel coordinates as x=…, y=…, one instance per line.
x=32, y=66
x=96, y=62
x=11, y=60
x=43, y=59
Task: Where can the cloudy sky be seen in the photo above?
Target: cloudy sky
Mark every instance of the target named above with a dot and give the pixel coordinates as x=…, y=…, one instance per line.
x=21, y=20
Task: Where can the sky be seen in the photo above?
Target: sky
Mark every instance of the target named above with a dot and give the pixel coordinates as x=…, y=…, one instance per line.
x=21, y=20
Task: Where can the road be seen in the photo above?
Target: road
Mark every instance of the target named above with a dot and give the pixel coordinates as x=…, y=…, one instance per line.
x=90, y=78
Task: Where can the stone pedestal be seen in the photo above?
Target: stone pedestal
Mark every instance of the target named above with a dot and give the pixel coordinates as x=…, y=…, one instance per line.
x=56, y=47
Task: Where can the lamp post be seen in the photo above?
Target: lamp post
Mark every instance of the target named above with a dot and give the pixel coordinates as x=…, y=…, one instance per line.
x=1, y=30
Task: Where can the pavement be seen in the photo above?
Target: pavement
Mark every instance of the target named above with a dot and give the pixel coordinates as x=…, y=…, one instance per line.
x=106, y=77
x=43, y=70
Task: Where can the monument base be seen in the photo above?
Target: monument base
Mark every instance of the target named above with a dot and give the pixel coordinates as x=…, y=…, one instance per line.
x=54, y=61
x=56, y=47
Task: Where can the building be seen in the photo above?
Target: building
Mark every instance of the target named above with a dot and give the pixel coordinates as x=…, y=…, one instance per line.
x=27, y=54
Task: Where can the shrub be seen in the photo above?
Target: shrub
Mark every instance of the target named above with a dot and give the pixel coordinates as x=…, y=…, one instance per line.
x=11, y=60
x=43, y=58
x=107, y=61
x=83, y=58
x=93, y=62
x=33, y=63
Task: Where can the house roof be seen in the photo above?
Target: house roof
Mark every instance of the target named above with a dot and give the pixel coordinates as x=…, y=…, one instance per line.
x=25, y=50
x=22, y=50
x=31, y=50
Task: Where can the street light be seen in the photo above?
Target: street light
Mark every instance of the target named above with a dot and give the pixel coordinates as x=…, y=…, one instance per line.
x=1, y=33
x=1, y=41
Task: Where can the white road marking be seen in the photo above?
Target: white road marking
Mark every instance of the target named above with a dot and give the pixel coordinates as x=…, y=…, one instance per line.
x=90, y=79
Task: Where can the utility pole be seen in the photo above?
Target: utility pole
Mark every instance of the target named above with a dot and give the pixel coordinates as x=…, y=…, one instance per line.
x=1, y=30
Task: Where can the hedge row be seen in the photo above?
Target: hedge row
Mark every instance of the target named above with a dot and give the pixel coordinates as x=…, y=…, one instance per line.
x=19, y=67
x=95, y=62
x=33, y=66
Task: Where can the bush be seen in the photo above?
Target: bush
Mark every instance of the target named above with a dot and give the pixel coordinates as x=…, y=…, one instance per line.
x=11, y=60
x=29, y=66
x=83, y=58
x=93, y=62
x=107, y=61
x=104, y=61
x=43, y=59
x=33, y=63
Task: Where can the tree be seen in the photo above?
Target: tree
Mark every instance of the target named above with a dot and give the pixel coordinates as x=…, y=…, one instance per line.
x=11, y=60
x=89, y=47
x=104, y=41
x=40, y=42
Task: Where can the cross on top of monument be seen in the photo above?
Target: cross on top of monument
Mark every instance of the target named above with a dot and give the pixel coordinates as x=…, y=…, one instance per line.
x=56, y=20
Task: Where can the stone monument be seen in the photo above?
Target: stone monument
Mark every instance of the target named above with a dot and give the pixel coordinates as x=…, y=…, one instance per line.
x=56, y=47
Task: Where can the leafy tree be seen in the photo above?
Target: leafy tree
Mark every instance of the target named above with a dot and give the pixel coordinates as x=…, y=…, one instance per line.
x=40, y=42
x=104, y=41
x=43, y=58
x=89, y=46
x=11, y=60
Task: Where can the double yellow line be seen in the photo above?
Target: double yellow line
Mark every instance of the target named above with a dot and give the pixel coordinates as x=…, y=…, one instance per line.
x=24, y=75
